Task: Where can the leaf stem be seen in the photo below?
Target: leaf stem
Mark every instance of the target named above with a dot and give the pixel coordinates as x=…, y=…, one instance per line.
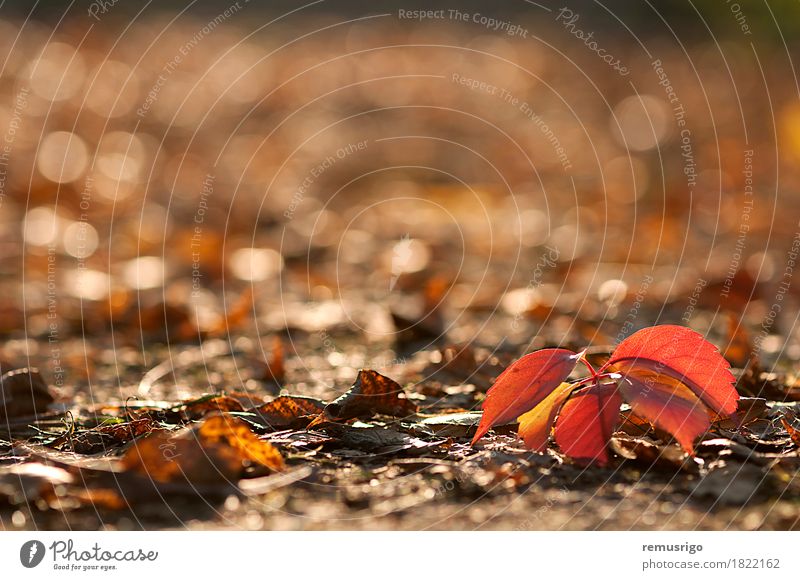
x=597, y=377
x=587, y=363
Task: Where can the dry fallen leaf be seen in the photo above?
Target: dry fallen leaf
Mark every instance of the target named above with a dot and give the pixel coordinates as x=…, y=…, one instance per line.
x=225, y=429
x=648, y=454
x=371, y=394
x=104, y=437
x=216, y=451
x=452, y=424
x=793, y=431
x=207, y=404
x=289, y=412
x=377, y=440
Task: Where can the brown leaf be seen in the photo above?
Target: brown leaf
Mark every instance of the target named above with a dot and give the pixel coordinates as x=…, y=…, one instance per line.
x=166, y=458
x=102, y=438
x=453, y=424
x=647, y=453
x=236, y=433
x=23, y=392
x=202, y=406
x=371, y=394
x=750, y=409
x=793, y=431
x=378, y=440
x=290, y=412
x=216, y=451
x=722, y=447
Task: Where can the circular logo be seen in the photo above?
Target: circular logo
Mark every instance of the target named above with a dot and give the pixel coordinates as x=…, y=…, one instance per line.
x=31, y=553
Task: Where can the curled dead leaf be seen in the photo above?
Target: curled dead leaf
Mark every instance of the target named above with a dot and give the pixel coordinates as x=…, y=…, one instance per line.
x=648, y=454
x=207, y=404
x=289, y=411
x=793, y=431
x=216, y=451
x=225, y=429
x=371, y=394
x=105, y=437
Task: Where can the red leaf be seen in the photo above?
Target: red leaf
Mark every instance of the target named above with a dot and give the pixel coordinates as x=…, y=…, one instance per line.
x=586, y=423
x=535, y=425
x=684, y=355
x=671, y=406
x=524, y=385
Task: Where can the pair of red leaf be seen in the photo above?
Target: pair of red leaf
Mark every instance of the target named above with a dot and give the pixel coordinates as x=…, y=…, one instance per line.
x=669, y=375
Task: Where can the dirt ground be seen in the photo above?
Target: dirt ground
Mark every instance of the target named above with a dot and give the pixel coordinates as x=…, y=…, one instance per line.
x=268, y=279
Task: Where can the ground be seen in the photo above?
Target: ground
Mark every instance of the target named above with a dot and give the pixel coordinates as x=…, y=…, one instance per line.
x=262, y=276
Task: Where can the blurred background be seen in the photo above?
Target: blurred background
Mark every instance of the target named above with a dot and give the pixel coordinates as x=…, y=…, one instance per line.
x=373, y=184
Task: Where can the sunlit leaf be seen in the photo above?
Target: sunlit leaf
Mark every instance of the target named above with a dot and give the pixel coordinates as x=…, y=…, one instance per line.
x=237, y=434
x=682, y=354
x=372, y=393
x=586, y=423
x=289, y=411
x=668, y=404
x=536, y=424
x=524, y=385
x=216, y=451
